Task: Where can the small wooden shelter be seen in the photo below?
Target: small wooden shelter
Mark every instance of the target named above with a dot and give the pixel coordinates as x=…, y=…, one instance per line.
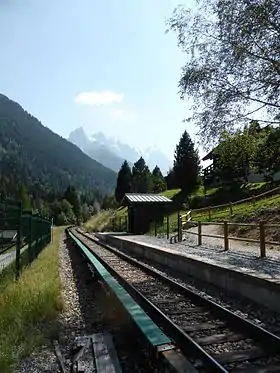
x=143, y=209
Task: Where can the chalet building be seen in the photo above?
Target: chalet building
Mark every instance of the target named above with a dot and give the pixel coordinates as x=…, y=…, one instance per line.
x=211, y=172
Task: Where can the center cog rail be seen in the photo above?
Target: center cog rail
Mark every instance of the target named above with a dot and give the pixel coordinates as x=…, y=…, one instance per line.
x=213, y=338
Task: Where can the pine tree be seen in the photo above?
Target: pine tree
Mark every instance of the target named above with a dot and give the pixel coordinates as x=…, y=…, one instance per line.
x=157, y=172
x=186, y=164
x=123, y=181
x=170, y=179
x=159, y=183
x=141, y=177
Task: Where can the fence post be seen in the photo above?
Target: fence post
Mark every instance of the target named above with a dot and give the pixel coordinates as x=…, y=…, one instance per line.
x=262, y=239
x=179, y=227
x=209, y=213
x=120, y=224
x=167, y=226
x=52, y=230
x=199, y=237
x=155, y=228
x=230, y=208
x=226, y=235
x=30, y=238
x=18, y=243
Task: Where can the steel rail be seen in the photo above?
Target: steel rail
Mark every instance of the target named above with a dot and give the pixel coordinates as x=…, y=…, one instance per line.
x=185, y=342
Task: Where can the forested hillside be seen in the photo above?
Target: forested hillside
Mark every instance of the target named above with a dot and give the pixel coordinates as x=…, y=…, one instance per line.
x=33, y=155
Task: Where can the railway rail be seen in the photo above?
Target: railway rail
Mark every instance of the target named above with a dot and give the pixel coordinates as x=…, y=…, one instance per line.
x=212, y=338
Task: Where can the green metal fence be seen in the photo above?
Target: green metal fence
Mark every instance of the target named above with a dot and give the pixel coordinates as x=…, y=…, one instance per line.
x=22, y=235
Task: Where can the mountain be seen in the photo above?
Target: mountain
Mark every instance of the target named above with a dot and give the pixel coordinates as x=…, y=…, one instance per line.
x=155, y=157
x=96, y=149
x=32, y=154
x=122, y=150
x=112, y=152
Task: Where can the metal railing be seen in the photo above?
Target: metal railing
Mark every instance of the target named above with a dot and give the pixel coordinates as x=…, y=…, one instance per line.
x=22, y=235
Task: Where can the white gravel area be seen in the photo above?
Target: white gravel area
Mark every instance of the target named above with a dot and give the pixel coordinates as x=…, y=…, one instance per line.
x=244, y=258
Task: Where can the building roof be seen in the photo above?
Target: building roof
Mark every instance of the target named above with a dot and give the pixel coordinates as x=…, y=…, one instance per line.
x=145, y=198
x=209, y=155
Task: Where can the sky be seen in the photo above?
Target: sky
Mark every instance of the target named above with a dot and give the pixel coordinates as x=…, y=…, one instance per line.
x=105, y=65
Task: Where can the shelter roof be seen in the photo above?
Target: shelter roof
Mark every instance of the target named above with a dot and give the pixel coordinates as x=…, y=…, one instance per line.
x=136, y=198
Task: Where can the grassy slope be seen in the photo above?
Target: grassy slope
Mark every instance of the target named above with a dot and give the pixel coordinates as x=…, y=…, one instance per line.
x=101, y=221
x=28, y=309
x=244, y=210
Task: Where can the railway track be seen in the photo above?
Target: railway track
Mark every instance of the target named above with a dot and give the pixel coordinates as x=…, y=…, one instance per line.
x=213, y=338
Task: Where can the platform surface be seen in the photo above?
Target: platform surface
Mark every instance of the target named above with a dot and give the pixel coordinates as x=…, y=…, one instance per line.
x=245, y=260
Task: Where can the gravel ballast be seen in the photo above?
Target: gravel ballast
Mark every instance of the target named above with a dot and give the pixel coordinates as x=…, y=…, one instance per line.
x=186, y=315
x=256, y=313
x=88, y=309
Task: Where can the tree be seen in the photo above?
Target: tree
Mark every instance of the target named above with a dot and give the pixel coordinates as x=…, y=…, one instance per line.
x=141, y=177
x=72, y=197
x=235, y=155
x=85, y=212
x=24, y=198
x=268, y=152
x=170, y=180
x=62, y=212
x=159, y=183
x=186, y=164
x=61, y=219
x=157, y=172
x=124, y=180
x=109, y=202
x=232, y=69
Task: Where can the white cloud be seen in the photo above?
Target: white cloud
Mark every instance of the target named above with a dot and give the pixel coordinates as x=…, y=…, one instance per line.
x=119, y=113
x=98, y=98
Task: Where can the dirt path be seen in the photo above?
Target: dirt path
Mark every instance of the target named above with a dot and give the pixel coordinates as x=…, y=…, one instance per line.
x=212, y=241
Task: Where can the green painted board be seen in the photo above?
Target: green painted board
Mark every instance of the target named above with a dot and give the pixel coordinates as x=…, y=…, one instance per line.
x=152, y=332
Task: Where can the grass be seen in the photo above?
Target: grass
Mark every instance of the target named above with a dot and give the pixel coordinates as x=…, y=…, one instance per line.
x=170, y=193
x=255, y=185
x=28, y=309
x=244, y=209
x=100, y=221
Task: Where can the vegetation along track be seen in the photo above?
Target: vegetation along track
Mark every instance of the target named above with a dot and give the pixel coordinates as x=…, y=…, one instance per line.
x=213, y=338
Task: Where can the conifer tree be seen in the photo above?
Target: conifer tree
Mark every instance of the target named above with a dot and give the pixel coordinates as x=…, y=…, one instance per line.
x=141, y=177
x=186, y=164
x=123, y=181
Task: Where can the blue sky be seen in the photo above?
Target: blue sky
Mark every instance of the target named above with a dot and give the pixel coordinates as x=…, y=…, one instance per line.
x=105, y=65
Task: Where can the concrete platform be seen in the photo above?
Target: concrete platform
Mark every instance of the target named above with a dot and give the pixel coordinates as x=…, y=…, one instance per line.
x=255, y=278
